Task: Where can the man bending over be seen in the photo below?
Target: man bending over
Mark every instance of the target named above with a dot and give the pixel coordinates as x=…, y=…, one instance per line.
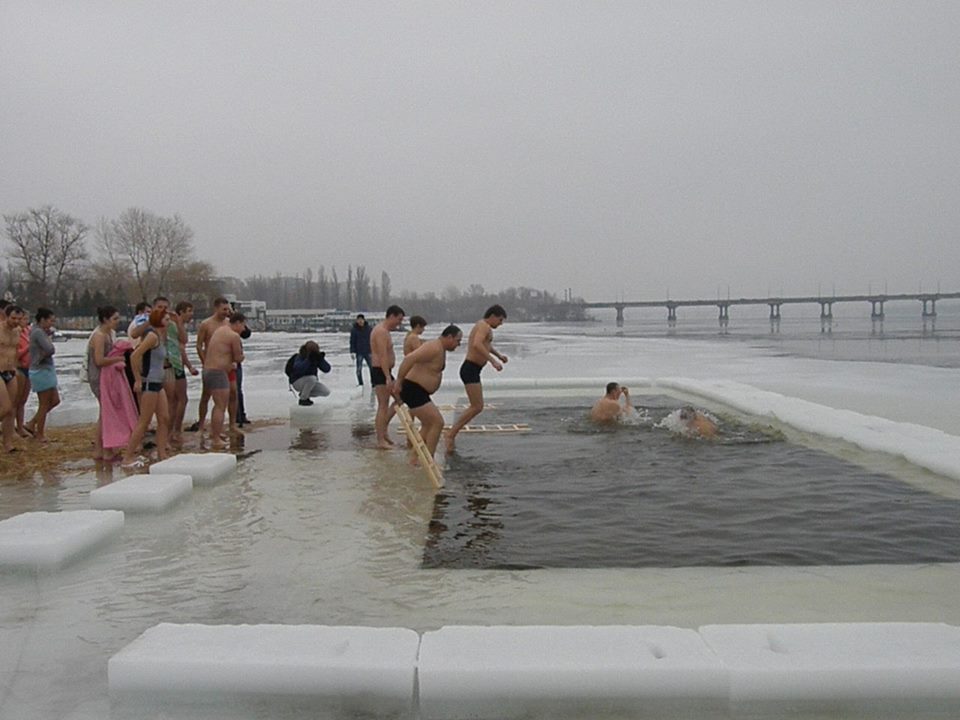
x=419, y=377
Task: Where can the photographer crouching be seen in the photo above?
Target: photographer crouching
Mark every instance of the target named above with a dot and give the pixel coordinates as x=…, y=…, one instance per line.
x=301, y=371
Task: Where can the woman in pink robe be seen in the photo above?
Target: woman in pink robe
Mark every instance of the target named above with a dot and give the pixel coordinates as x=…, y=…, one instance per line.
x=118, y=411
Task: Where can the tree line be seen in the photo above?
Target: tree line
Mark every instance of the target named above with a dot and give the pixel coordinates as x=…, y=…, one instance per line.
x=56, y=260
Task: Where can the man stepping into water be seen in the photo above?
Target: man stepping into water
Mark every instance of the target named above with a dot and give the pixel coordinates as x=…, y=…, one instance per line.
x=381, y=372
x=480, y=351
x=419, y=377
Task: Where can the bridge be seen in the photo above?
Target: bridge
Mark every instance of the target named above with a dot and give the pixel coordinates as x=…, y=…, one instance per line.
x=877, y=301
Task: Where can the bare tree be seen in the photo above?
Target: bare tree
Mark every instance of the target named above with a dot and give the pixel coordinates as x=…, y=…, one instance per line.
x=147, y=247
x=361, y=283
x=334, y=289
x=384, y=288
x=194, y=281
x=350, y=298
x=49, y=250
x=322, y=289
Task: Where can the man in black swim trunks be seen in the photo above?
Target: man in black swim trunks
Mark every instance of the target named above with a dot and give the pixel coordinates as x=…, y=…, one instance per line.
x=381, y=371
x=480, y=351
x=9, y=388
x=419, y=377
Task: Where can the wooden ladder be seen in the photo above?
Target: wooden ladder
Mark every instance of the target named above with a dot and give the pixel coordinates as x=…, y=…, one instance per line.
x=426, y=459
x=508, y=428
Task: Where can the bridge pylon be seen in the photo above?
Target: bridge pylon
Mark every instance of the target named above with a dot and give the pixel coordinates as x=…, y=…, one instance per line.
x=724, y=314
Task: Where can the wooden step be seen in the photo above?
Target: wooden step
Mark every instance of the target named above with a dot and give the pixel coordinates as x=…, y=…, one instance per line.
x=427, y=462
x=505, y=428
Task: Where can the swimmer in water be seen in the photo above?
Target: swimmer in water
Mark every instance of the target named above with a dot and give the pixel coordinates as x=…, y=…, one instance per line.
x=608, y=408
x=697, y=423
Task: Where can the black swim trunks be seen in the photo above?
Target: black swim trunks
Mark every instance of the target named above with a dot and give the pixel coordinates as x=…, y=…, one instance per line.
x=413, y=394
x=377, y=377
x=470, y=372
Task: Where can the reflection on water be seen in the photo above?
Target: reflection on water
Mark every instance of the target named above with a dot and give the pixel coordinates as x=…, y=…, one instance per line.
x=572, y=494
x=309, y=439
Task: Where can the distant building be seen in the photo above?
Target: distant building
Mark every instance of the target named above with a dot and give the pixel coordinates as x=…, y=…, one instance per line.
x=255, y=310
x=309, y=320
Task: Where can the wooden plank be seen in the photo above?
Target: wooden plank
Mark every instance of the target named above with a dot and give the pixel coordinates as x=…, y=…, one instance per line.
x=427, y=462
x=486, y=406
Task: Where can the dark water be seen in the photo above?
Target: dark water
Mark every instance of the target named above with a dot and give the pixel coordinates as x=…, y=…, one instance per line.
x=569, y=494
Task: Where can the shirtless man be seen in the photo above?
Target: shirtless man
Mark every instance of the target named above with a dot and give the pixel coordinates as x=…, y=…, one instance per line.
x=138, y=326
x=414, y=338
x=9, y=387
x=223, y=351
x=381, y=377
x=419, y=377
x=480, y=351
x=698, y=423
x=221, y=311
x=608, y=408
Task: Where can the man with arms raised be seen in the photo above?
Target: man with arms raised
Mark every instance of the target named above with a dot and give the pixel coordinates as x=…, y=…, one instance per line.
x=223, y=351
x=381, y=371
x=9, y=387
x=419, y=377
x=608, y=408
x=221, y=311
x=480, y=351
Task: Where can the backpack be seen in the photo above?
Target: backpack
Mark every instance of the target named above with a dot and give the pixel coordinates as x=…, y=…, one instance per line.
x=288, y=368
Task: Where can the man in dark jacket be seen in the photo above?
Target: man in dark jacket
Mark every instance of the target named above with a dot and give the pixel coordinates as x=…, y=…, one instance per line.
x=360, y=345
x=302, y=370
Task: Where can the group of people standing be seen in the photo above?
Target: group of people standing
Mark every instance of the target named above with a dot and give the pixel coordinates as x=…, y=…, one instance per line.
x=420, y=373
x=26, y=363
x=143, y=378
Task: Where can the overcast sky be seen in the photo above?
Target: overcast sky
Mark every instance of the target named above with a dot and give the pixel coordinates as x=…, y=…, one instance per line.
x=621, y=149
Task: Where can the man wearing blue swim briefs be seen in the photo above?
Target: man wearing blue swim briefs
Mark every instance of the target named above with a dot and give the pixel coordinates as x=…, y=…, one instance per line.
x=480, y=351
